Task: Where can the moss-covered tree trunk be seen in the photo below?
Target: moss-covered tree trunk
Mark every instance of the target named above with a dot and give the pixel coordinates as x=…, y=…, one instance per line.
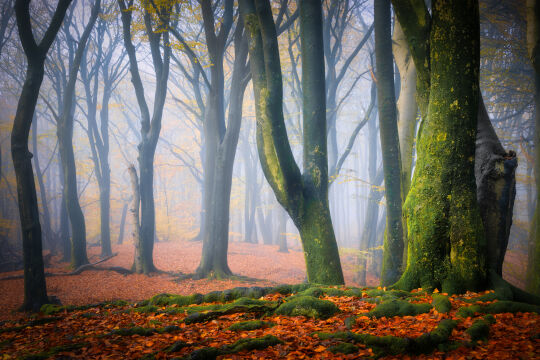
x=533, y=45
x=393, y=240
x=445, y=232
x=305, y=197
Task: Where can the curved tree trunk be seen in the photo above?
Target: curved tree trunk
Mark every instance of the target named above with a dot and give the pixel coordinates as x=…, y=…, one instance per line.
x=305, y=197
x=35, y=291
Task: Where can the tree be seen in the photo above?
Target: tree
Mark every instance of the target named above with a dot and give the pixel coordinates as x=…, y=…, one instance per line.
x=150, y=125
x=67, y=156
x=304, y=196
x=446, y=239
x=406, y=106
x=533, y=47
x=393, y=242
x=35, y=292
x=110, y=70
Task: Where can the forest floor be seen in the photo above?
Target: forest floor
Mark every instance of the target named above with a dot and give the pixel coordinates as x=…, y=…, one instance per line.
x=263, y=264
x=329, y=323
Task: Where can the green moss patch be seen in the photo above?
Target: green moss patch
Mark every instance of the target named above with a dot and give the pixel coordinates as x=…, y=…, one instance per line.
x=381, y=345
x=497, y=308
x=393, y=345
x=250, y=325
x=142, y=331
x=441, y=303
x=176, y=346
x=179, y=300
x=147, y=309
x=343, y=348
x=479, y=330
x=209, y=353
x=428, y=342
x=397, y=307
x=308, y=306
x=136, y=330
x=240, y=305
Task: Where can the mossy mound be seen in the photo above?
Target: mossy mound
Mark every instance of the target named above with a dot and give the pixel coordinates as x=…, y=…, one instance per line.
x=497, y=308
x=441, y=303
x=308, y=306
x=343, y=348
x=240, y=305
x=147, y=309
x=252, y=344
x=479, y=330
x=397, y=307
x=381, y=345
x=136, y=330
x=287, y=289
x=250, y=325
x=176, y=346
x=210, y=353
x=180, y=300
x=431, y=340
x=393, y=345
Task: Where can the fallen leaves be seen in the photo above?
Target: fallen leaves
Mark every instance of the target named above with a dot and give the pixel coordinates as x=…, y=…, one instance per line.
x=94, y=333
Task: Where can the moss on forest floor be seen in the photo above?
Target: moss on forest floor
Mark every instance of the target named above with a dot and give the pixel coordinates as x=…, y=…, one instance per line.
x=227, y=322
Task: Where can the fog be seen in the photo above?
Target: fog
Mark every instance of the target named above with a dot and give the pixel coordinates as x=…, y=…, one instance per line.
x=356, y=192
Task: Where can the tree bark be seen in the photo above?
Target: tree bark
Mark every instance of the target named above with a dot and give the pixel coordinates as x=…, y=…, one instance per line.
x=305, y=197
x=150, y=125
x=135, y=209
x=221, y=142
x=533, y=47
x=35, y=292
x=122, y=224
x=446, y=237
x=67, y=156
x=393, y=241
x=48, y=235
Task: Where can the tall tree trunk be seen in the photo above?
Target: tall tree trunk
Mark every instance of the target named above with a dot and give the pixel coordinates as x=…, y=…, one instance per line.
x=122, y=224
x=135, y=208
x=221, y=144
x=150, y=124
x=305, y=197
x=67, y=156
x=442, y=213
x=282, y=231
x=393, y=242
x=533, y=45
x=496, y=189
x=64, y=230
x=48, y=235
x=35, y=291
